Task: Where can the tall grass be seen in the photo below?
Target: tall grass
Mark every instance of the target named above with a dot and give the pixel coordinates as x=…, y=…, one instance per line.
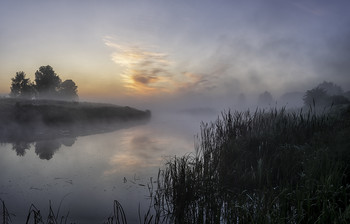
x=263, y=167
x=118, y=216
x=6, y=216
x=34, y=215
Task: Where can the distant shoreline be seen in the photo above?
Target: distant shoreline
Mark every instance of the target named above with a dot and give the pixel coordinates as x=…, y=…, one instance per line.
x=30, y=119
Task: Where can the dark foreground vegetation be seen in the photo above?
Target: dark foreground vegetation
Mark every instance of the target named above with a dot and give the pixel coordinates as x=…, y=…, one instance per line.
x=263, y=167
x=35, y=118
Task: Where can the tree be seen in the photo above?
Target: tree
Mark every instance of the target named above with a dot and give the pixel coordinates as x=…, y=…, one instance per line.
x=68, y=90
x=330, y=88
x=265, y=99
x=316, y=96
x=338, y=100
x=47, y=82
x=47, y=85
x=21, y=86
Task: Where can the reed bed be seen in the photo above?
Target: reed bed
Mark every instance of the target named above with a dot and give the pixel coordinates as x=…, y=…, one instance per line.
x=263, y=167
x=34, y=216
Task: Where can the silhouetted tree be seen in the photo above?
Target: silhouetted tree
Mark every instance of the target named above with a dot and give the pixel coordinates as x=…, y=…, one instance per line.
x=338, y=100
x=47, y=82
x=68, y=90
x=47, y=85
x=316, y=97
x=21, y=86
x=330, y=88
x=265, y=99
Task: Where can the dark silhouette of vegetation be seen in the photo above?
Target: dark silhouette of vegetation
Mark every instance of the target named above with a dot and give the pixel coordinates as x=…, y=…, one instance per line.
x=68, y=90
x=47, y=82
x=326, y=94
x=21, y=86
x=338, y=100
x=316, y=96
x=265, y=167
x=331, y=88
x=47, y=85
x=35, y=216
x=6, y=216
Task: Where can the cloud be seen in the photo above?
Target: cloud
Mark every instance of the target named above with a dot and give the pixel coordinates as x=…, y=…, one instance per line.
x=194, y=82
x=145, y=71
x=143, y=79
x=333, y=64
x=148, y=72
x=236, y=65
x=308, y=7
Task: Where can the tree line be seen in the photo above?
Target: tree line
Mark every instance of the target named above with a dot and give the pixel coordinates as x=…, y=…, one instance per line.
x=47, y=85
x=326, y=94
x=323, y=95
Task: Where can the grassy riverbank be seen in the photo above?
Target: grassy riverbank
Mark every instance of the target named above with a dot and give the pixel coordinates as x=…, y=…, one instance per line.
x=36, y=118
x=51, y=112
x=262, y=167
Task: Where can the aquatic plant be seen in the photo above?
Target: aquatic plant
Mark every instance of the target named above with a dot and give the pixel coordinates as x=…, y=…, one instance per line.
x=118, y=216
x=6, y=216
x=264, y=167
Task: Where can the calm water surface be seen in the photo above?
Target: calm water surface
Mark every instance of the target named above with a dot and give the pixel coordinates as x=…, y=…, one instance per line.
x=88, y=173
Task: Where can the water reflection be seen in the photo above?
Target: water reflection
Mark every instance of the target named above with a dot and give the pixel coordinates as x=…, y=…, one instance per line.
x=20, y=147
x=48, y=140
x=45, y=149
x=92, y=169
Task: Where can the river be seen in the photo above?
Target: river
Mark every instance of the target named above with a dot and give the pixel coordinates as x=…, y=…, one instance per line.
x=83, y=175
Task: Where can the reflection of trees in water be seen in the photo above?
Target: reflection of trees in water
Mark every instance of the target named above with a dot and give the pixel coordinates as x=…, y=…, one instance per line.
x=45, y=149
x=48, y=140
x=20, y=147
x=68, y=141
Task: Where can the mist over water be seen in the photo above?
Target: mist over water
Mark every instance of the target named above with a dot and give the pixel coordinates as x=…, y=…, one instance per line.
x=185, y=61
x=88, y=172
x=83, y=170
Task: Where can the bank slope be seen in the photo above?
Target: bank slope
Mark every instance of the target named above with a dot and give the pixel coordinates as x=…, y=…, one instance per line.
x=19, y=115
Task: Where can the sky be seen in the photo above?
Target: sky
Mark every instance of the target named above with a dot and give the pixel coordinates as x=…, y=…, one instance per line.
x=167, y=51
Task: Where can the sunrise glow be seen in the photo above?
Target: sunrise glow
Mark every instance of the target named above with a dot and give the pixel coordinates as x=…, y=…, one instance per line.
x=144, y=50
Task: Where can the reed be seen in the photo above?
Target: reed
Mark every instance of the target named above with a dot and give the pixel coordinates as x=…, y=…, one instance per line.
x=6, y=216
x=118, y=216
x=263, y=167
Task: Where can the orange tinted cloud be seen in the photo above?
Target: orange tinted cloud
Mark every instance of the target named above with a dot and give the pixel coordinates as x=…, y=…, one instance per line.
x=145, y=71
